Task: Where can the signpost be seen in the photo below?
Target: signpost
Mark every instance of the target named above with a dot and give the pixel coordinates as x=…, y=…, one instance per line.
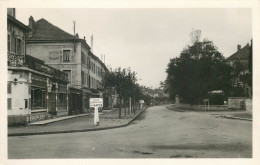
x=141, y=103
x=96, y=103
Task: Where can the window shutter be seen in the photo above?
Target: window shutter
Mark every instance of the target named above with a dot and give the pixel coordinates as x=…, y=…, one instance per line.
x=22, y=51
x=9, y=88
x=9, y=103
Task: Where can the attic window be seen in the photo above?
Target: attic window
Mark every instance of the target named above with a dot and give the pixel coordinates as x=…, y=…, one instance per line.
x=66, y=55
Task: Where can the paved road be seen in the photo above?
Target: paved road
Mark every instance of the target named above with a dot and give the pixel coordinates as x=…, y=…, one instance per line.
x=158, y=133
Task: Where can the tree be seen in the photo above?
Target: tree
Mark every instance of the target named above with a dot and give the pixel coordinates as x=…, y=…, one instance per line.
x=200, y=68
x=124, y=82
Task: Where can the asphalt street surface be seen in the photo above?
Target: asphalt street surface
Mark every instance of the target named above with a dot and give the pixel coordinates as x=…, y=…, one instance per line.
x=157, y=133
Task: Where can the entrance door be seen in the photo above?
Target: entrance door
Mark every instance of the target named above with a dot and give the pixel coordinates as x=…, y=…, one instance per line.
x=52, y=103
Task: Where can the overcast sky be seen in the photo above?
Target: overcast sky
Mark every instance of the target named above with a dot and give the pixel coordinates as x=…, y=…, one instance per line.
x=146, y=39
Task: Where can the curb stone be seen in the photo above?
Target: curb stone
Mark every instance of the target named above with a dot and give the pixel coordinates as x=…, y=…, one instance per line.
x=82, y=130
x=228, y=117
x=237, y=118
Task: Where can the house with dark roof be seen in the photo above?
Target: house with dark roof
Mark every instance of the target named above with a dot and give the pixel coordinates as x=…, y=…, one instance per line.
x=70, y=54
x=32, y=86
x=241, y=58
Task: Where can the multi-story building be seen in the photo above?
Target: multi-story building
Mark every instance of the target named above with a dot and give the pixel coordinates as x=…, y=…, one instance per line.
x=70, y=54
x=35, y=91
x=241, y=56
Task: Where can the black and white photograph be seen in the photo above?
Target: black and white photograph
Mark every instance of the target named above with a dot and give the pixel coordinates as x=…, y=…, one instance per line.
x=129, y=82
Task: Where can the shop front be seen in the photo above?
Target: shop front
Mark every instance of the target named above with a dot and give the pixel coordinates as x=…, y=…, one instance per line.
x=75, y=101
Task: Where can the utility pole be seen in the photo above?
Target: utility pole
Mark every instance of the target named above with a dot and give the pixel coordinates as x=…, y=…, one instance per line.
x=74, y=24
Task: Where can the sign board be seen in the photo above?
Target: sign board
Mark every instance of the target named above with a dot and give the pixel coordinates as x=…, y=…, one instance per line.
x=141, y=101
x=96, y=102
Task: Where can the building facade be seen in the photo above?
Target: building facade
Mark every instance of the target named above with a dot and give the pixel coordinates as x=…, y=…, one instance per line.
x=240, y=60
x=35, y=91
x=69, y=54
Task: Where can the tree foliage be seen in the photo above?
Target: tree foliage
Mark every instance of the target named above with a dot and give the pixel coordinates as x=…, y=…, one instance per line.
x=124, y=81
x=200, y=68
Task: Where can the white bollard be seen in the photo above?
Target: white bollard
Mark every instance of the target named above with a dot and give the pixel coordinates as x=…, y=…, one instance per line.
x=96, y=117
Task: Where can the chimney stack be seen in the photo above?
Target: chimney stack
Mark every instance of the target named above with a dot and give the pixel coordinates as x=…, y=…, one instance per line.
x=91, y=41
x=11, y=12
x=238, y=47
x=31, y=25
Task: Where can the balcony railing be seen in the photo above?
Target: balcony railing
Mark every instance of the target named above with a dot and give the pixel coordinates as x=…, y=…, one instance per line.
x=35, y=64
x=15, y=59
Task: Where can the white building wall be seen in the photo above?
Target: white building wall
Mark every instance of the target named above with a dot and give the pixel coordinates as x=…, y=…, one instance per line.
x=19, y=92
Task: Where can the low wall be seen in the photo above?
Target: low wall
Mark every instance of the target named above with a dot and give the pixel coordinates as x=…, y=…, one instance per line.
x=236, y=103
x=248, y=106
x=18, y=120
x=202, y=107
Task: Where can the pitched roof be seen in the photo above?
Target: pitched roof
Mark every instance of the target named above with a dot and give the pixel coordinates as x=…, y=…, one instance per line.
x=17, y=23
x=45, y=30
x=242, y=54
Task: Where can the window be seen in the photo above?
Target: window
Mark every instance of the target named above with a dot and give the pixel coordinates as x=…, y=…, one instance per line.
x=9, y=88
x=86, y=102
x=66, y=55
x=88, y=62
x=82, y=78
x=25, y=103
x=62, y=103
x=9, y=42
x=83, y=59
x=19, y=46
x=9, y=103
x=86, y=79
x=89, y=80
x=15, y=43
x=68, y=72
x=38, y=98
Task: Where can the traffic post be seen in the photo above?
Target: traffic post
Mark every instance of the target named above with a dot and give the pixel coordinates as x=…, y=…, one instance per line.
x=96, y=103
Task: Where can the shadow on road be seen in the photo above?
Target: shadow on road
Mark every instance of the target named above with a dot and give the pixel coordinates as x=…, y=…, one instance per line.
x=139, y=118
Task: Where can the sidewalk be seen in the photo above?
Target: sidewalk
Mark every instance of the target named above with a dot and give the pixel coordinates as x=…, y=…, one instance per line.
x=228, y=114
x=239, y=116
x=83, y=123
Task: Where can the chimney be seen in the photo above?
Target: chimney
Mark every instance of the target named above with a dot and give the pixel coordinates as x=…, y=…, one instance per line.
x=32, y=26
x=11, y=12
x=238, y=47
x=91, y=42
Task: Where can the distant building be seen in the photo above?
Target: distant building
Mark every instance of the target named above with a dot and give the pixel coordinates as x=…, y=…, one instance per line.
x=71, y=55
x=35, y=91
x=241, y=56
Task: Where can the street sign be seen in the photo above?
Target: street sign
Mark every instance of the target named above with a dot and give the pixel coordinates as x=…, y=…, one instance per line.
x=141, y=101
x=96, y=102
